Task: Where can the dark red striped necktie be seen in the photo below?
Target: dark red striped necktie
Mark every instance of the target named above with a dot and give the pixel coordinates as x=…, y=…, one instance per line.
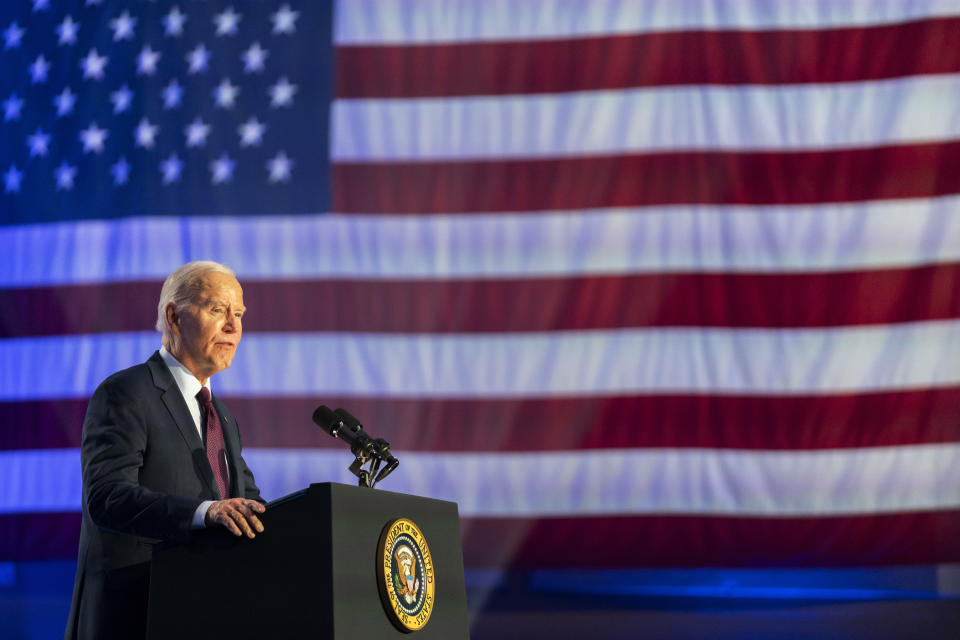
x=215, y=454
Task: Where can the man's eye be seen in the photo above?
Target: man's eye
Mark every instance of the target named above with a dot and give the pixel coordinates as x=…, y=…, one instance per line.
x=217, y=310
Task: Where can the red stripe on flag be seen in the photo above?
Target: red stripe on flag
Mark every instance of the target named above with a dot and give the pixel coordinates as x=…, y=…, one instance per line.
x=736, y=422
x=695, y=177
x=881, y=296
x=41, y=424
x=655, y=59
x=925, y=416
x=706, y=541
x=26, y=537
x=626, y=541
x=80, y=309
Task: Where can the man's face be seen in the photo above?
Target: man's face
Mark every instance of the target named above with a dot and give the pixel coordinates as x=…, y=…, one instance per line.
x=210, y=328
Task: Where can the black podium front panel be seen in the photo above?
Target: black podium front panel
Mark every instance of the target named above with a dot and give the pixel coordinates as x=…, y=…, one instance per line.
x=311, y=574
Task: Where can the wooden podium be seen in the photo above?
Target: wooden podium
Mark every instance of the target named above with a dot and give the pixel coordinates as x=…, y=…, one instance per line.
x=312, y=573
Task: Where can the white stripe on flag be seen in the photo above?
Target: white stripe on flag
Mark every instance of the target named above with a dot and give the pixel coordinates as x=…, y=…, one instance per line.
x=561, y=363
x=423, y=21
x=40, y=480
x=827, y=237
x=743, y=118
x=598, y=482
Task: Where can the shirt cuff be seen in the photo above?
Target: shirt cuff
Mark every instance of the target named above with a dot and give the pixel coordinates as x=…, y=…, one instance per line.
x=200, y=515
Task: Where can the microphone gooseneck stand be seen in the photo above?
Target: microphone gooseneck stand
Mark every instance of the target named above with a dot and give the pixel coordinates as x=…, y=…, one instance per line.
x=366, y=450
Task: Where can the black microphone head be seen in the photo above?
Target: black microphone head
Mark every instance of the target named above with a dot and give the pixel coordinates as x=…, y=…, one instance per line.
x=348, y=418
x=326, y=419
x=352, y=431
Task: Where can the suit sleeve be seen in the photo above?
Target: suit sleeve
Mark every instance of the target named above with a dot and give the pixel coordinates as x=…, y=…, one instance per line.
x=250, y=489
x=112, y=451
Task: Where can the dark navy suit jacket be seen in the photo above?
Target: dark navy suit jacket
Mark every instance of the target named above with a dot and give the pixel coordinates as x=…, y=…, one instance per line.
x=145, y=472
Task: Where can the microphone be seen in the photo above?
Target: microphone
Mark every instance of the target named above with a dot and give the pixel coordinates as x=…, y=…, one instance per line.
x=349, y=430
x=339, y=423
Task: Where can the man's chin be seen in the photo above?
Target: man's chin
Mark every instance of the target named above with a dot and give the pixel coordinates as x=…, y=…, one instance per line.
x=221, y=361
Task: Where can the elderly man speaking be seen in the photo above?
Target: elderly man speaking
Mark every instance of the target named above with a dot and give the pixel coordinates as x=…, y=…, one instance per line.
x=161, y=455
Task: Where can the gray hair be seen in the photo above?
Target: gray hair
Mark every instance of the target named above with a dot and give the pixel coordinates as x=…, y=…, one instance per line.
x=182, y=287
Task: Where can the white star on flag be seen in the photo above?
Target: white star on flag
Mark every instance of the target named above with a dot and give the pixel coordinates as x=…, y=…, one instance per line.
x=227, y=22
x=224, y=60
x=284, y=19
x=39, y=69
x=93, y=138
x=120, y=171
x=67, y=31
x=12, y=107
x=281, y=94
x=225, y=94
x=251, y=132
x=172, y=95
x=145, y=134
x=64, y=102
x=123, y=27
x=11, y=179
x=197, y=132
x=222, y=169
x=280, y=167
x=171, y=168
x=65, y=174
x=147, y=61
x=93, y=65
x=198, y=59
x=38, y=142
x=173, y=22
x=41, y=5
x=254, y=57
x=121, y=99
x=13, y=35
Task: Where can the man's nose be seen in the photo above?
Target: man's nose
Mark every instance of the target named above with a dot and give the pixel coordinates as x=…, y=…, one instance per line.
x=232, y=323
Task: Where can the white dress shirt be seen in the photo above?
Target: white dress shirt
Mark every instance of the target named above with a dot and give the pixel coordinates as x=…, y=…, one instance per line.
x=189, y=388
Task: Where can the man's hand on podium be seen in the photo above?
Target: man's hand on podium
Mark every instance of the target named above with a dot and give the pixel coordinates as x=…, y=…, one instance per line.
x=236, y=514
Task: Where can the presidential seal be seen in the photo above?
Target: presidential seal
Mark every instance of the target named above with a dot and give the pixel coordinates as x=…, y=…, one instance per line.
x=405, y=575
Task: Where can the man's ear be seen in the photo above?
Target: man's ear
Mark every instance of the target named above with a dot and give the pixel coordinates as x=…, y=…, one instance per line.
x=173, y=318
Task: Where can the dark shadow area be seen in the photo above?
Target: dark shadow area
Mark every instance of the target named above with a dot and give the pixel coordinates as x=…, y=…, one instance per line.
x=529, y=606
x=35, y=598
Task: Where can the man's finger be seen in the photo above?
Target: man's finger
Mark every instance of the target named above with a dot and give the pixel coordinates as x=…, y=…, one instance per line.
x=249, y=508
x=228, y=523
x=247, y=505
x=241, y=520
x=225, y=515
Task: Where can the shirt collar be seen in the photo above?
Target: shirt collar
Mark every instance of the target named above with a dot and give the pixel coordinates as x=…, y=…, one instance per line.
x=186, y=381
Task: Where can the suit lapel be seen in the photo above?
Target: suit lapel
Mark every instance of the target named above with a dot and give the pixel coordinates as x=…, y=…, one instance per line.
x=230, y=443
x=177, y=406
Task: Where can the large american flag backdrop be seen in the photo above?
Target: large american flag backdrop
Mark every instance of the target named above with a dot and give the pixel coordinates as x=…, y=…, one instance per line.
x=637, y=284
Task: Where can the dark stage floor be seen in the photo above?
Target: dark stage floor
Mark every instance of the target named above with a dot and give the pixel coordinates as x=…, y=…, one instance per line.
x=34, y=598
